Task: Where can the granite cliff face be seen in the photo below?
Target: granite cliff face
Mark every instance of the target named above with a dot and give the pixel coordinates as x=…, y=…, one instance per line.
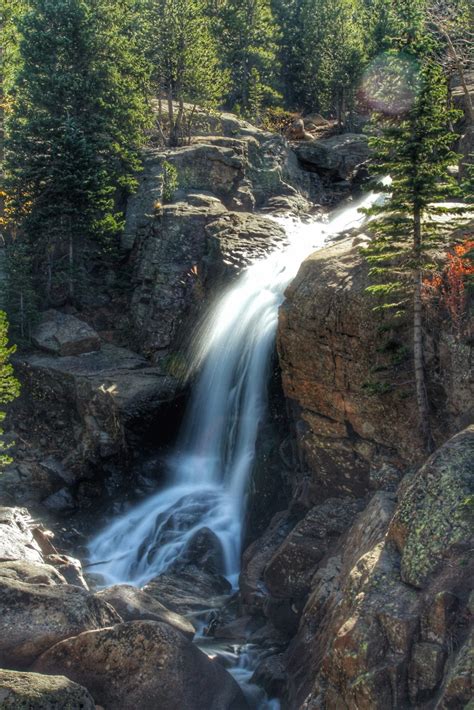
x=346, y=371
x=388, y=622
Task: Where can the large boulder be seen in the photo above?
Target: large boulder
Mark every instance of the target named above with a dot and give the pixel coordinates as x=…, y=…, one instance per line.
x=136, y=605
x=63, y=334
x=94, y=403
x=16, y=539
x=31, y=572
x=146, y=665
x=440, y=500
x=189, y=591
x=23, y=691
x=336, y=157
x=204, y=551
x=33, y=617
x=388, y=622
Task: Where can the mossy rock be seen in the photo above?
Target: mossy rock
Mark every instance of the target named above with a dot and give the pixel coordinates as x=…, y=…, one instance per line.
x=435, y=514
x=25, y=691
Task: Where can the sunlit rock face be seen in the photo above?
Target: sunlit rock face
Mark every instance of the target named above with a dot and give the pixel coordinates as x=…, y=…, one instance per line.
x=387, y=622
x=347, y=373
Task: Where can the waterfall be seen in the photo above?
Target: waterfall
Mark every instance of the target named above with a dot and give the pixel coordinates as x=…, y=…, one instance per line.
x=209, y=472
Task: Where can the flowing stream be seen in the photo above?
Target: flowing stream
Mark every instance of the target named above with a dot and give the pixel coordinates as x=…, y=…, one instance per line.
x=209, y=473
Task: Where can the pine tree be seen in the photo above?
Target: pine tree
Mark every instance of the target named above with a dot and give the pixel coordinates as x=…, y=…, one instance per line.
x=378, y=24
x=74, y=122
x=9, y=386
x=414, y=147
x=183, y=56
x=333, y=55
x=248, y=35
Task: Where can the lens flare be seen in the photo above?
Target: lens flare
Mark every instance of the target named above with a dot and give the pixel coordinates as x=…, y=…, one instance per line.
x=390, y=84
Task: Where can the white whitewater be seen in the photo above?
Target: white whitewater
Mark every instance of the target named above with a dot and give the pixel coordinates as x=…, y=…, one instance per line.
x=209, y=473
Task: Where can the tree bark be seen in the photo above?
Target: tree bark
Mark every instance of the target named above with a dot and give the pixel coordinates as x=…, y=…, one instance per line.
x=70, y=284
x=418, y=359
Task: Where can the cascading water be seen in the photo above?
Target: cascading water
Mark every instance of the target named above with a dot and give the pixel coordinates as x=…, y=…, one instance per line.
x=208, y=475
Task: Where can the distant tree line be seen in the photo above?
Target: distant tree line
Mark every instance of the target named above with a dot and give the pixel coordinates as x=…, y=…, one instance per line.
x=83, y=82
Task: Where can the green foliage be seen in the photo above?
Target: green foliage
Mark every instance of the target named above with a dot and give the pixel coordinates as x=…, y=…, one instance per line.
x=333, y=54
x=170, y=181
x=183, y=56
x=74, y=121
x=9, y=385
x=412, y=143
x=248, y=35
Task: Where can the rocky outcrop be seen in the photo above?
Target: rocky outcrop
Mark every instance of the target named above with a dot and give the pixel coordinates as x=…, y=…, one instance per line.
x=387, y=623
x=146, y=662
x=92, y=402
x=19, y=691
x=337, y=157
x=16, y=537
x=191, y=247
x=35, y=616
x=347, y=372
x=278, y=568
x=136, y=605
x=188, y=591
x=143, y=664
x=63, y=334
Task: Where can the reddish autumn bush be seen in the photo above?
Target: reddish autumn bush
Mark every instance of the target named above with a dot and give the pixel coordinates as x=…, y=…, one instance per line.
x=449, y=286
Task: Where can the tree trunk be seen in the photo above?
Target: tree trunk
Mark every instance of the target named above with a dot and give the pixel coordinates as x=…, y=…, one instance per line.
x=462, y=75
x=418, y=360
x=171, y=116
x=70, y=280
x=22, y=315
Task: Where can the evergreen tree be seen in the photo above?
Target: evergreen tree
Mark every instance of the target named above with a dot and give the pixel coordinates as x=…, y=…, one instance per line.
x=74, y=122
x=248, y=36
x=414, y=147
x=184, y=58
x=378, y=25
x=290, y=53
x=333, y=55
x=9, y=386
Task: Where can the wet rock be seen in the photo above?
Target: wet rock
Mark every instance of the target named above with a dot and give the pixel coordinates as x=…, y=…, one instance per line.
x=236, y=239
x=271, y=675
x=188, y=592
x=204, y=551
x=33, y=617
x=20, y=691
x=172, y=672
x=255, y=559
x=438, y=499
x=63, y=334
x=133, y=604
